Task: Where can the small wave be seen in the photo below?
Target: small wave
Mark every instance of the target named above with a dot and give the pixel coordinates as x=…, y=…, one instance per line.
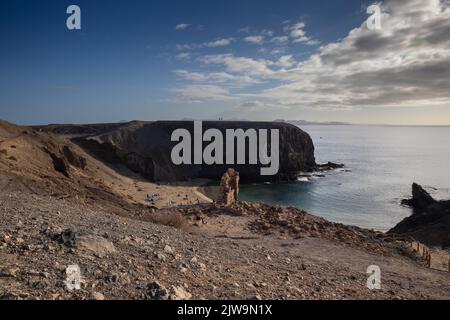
x=303, y=179
x=343, y=170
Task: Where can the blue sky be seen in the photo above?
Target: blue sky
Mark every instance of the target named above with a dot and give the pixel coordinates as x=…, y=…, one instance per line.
x=207, y=59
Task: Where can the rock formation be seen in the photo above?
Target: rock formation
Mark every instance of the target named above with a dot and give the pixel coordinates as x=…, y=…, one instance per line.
x=59, y=163
x=145, y=148
x=430, y=221
x=229, y=188
x=62, y=158
x=73, y=158
x=421, y=199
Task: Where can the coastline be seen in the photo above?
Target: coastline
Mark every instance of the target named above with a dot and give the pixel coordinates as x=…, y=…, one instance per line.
x=99, y=216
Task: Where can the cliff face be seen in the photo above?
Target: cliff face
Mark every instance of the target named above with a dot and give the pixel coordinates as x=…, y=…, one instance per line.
x=145, y=147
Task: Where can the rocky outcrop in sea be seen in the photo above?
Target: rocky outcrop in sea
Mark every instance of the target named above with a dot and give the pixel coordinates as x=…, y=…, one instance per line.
x=430, y=221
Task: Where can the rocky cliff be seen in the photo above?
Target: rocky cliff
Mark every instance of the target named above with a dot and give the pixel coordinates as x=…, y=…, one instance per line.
x=145, y=147
x=430, y=221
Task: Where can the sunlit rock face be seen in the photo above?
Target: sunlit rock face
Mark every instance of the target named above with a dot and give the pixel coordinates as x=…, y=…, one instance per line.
x=229, y=188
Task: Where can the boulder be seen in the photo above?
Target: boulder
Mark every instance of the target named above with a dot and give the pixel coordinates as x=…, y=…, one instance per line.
x=82, y=240
x=73, y=158
x=59, y=162
x=98, y=296
x=179, y=293
x=156, y=291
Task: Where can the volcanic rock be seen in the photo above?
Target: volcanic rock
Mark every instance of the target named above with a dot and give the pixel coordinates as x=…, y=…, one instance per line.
x=229, y=188
x=145, y=148
x=430, y=221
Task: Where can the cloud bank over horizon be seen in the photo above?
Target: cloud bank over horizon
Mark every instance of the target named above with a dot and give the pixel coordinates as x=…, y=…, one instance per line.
x=289, y=59
x=405, y=64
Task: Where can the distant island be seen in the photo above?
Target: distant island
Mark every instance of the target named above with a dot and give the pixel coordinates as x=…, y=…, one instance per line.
x=308, y=123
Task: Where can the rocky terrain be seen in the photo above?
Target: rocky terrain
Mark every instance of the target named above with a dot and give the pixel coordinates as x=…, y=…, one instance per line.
x=430, y=222
x=134, y=239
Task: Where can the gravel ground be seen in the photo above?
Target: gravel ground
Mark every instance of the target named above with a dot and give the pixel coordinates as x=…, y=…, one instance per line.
x=124, y=258
x=181, y=247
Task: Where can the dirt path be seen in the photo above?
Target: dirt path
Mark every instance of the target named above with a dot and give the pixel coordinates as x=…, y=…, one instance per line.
x=234, y=266
x=407, y=271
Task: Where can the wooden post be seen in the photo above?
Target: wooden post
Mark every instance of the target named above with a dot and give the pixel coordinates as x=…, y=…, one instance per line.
x=448, y=265
x=429, y=260
x=418, y=247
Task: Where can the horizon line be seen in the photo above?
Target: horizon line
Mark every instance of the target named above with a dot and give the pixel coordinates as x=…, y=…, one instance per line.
x=305, y=122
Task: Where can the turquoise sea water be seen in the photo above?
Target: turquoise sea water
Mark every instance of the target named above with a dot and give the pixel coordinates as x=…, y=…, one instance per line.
x=381, y=161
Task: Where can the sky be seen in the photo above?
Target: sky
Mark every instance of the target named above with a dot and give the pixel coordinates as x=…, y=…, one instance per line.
x=211, y=59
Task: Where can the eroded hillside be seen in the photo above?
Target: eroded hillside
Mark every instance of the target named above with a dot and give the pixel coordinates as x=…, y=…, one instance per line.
x=78, y=210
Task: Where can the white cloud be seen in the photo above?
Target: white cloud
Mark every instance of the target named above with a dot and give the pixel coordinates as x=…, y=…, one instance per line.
x=216, y=77
x=204, y=77
x=202, y=93
x=280, y=40
x=312, y=42
x=254, y=39
x=405, y=64
x=183, y=56
x=212, y=44
x=286, y=62
x=267, y=33
x=278, y=51
x=182, y=26
x=298, y=34
x=255, y=106
x=249, y=66
x=219, y=43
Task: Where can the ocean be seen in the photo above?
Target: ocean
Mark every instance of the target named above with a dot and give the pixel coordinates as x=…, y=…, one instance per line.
x=381, y=163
